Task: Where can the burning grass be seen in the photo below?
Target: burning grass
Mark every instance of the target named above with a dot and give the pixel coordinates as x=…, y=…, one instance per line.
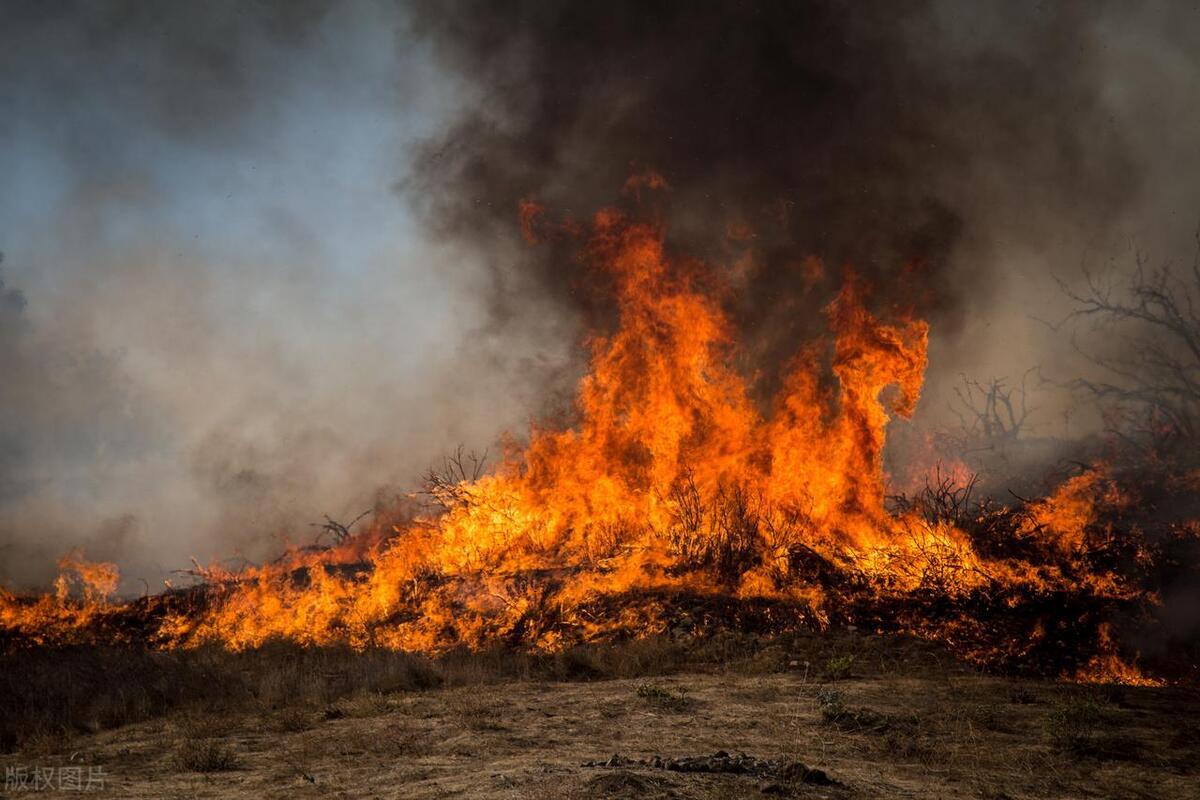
x=675, y=504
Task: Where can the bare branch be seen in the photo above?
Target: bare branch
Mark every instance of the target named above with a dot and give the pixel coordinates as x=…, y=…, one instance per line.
x=992, y=411
x=340, y=532
x=448, y=485
x=1153, y=377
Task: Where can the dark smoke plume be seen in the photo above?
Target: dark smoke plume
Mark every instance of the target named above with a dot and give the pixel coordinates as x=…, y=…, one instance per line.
x=861, y=133
x=955, y=153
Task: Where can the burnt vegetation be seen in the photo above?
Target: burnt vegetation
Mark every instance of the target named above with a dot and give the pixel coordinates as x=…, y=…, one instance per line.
x=989, y=619
x=447, y=486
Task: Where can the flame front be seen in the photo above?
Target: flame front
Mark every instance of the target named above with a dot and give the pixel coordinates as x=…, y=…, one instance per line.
x=671, y=482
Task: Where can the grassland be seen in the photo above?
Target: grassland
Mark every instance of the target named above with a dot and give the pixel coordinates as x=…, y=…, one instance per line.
x=880, y=717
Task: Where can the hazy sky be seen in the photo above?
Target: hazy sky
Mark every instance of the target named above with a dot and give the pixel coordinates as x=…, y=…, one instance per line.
x=228, y=320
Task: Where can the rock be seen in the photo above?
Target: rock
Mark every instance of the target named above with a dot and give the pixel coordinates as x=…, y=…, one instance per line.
x=796, y=771
x=774, y=773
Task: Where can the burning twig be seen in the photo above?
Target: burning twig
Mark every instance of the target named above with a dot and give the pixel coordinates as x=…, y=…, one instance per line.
x=203, y=573
x=944, y=499
x=337, y=530
x=448, y=485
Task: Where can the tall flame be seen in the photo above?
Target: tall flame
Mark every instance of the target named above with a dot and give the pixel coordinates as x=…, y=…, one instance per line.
x=671, y=479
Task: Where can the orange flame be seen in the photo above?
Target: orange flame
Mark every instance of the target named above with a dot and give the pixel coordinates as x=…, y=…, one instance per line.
x=671, y=479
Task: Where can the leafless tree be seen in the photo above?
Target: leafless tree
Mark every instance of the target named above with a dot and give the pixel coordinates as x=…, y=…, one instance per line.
x=1151, y=374
x=992, y=412
x=203, y=574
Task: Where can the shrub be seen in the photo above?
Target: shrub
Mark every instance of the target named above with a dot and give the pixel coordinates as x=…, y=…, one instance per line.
x=664, y=698
x=832, y=704
x=838, y=667
x=204, y=755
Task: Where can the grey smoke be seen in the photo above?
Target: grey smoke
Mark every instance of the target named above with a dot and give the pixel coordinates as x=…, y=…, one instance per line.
x=262, y=260
x=218, y=323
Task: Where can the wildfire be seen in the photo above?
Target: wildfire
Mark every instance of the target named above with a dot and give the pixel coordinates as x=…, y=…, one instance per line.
x=671, y=483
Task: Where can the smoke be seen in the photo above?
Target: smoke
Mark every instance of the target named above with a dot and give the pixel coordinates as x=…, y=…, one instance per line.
x=990, y=146
x=264, y=260
x=964, y=157
x=217, y=322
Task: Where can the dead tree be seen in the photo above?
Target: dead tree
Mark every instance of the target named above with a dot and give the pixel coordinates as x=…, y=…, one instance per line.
x=993, y=412
x=1149, y=382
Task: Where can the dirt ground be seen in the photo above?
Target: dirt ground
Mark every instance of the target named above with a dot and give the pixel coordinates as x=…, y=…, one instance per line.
x=956, y=735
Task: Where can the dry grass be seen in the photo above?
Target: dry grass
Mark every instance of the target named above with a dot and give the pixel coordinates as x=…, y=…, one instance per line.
x=53, y=694
x=292, y=720
x=900, y=721
x=202, y=741
x=204, y=755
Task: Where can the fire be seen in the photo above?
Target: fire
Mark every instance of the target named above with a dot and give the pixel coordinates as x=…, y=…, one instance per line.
x=81, y=594
x=97, y=580
x=1067, y=513
x=671, y=482
x=671, y=463
x=1108, y=667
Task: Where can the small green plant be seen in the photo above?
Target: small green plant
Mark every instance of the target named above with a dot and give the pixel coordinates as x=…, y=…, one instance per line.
x=834, y=711
x=838, y=667
x=832, y=705
x=664, y=698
